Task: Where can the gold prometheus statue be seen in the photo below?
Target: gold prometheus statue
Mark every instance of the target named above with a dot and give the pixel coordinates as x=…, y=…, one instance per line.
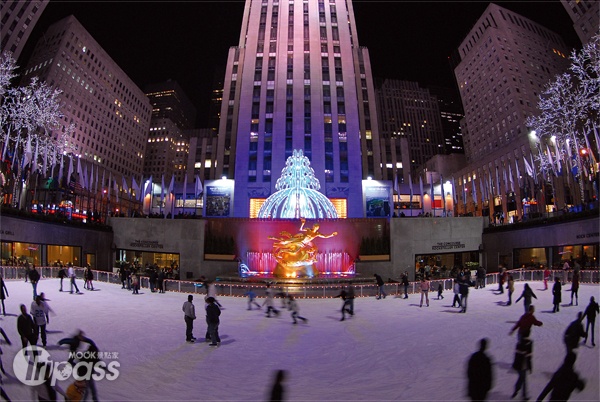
x=296, y=255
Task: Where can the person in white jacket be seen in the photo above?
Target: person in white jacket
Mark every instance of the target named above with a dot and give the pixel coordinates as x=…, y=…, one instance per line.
x=189, y=316
x=39, y=311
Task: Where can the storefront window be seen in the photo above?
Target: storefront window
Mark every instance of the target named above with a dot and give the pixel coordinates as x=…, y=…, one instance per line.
x=64, y=255
x=141, y=258
x=441, y=265
x=528, y=257
x=28, y=252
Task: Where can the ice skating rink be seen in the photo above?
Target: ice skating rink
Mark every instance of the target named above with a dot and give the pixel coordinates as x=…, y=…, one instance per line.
x=390, y=350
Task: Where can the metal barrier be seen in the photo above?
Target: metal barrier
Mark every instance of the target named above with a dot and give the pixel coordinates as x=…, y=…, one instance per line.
x=306, y=291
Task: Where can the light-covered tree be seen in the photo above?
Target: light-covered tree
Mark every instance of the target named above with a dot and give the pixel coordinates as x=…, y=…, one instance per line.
x=566, y=128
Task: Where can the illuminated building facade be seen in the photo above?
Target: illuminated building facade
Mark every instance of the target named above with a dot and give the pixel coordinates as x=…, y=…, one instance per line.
x=16, y=23
x=505, y=62
x=298, y=79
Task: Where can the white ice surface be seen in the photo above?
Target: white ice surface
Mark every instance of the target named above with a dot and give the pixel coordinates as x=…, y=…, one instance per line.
x=390, y=350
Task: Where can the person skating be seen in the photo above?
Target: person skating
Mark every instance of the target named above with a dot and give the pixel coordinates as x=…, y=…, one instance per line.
x=346, y=303
x=525, y=323
x=26, y=327
x=212, y=320
x=575, y=288
x=269, y=301
x=546, y=277
x=573, y=333
x=557, y=295
x=522, y=364
x=590, y=312
x=510, y=286
x=251, y=299
x=464, y=293
x=440, y=290
x=293, y=307
x=189, y=315
x=564, y=381
x=526, y=296
x=277, y=390
x=380, y=287
x=456, y=290
x=479, y=373
x=74, y=342
x=71, y=274
x=501, y=279
x=89, y=277
x=123, y=273
x=3, y=294
x=424, y=286
x=160, y=283
x=61, y=275
x=34, y=278
x=39, y=311
x=405, y=284
x=135, y=284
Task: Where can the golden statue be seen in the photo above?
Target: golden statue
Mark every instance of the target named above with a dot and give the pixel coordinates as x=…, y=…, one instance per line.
x=297, y=252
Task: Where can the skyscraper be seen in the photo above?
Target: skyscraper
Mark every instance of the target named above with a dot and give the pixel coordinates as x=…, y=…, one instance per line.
x=505, y=62
x=298, y=79
x=17, y=22
x=586, y=17
x=410, y=127
x=111, y=115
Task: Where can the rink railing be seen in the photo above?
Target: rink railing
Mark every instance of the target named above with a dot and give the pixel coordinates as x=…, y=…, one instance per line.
x=299, y=290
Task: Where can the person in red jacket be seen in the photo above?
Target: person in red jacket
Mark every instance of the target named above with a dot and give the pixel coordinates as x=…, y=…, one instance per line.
x=525, y=323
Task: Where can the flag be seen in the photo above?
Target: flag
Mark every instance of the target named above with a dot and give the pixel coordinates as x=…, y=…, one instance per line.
x=85, y=181
x=510, y=177
x=504, y=178
x=198, y=187
x=533, y=169
x=162, y=190
x=125, y=188
x=410, y=188
x=396, y=184
x=70, y=171
x=135, y=187
x=34, y=168
x=6, y=139
x=454, y=191
x=148, y=188
x=116, y=186
x=171, y=184
x=184, y=190
x=102, y=182
x=497, y=182
x=421, y=188
x=464, y=192
x=109, y=185
x=45, y=164
x=528, y=168
x=60, y=169
x=518, y=173
x=27, y=154
x=481, y=189
x=474, y=191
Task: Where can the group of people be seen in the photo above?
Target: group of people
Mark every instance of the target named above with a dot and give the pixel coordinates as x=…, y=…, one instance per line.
x=131, y=279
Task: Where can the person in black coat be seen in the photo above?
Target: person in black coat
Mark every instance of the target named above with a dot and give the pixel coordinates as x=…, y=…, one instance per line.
x=160, y=281
x=464, y=293
x=522, y=364
x=564, y=381
x=405, y=283
x=590, y=312
x=4, y=295
x=573, y=333
x=556, y=292
x=26, y=327
x=277, y=390
x=380, y=287
x=152, y=279
x=212, y=320
x=479, y=373
x=34, y=277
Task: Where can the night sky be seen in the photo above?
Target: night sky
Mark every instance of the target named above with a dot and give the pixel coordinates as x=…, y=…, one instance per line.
x=188, y=40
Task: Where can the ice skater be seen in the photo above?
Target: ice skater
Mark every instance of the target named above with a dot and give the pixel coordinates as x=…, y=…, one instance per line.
x=479, y=373
x=189, y=315
x=380, y=287
x=39, y=311
x=212, y=320
x=456, y=290
x=405, y=284
x=26, y=327
x=74, y=343
x=575, y=288
x=510, y=286
x=34, y=278
x=526, y=296
x=346, y=303
x=269, y=301
x=89, y=277
x=546, y=277
x=557, y=295
x=293, y=307
x=3, y=294
x=251, y=299
x=522, y=364
x=573, y=333
x=72, y=276
x=62, y=275
x=564, y=381
x=424, y=286
x=590, y=312
x=440, y=289
x=525, y=323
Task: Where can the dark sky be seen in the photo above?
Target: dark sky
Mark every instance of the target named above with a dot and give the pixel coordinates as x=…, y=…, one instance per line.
x=188, y=40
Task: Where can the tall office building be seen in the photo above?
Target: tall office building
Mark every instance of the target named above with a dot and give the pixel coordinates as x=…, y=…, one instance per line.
x=111, y=115
x=17, y=21
x=585, y=15
x=505, y=62
x=451, y=112
x=298, y=79
x=168, y=144
x=410, y=127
